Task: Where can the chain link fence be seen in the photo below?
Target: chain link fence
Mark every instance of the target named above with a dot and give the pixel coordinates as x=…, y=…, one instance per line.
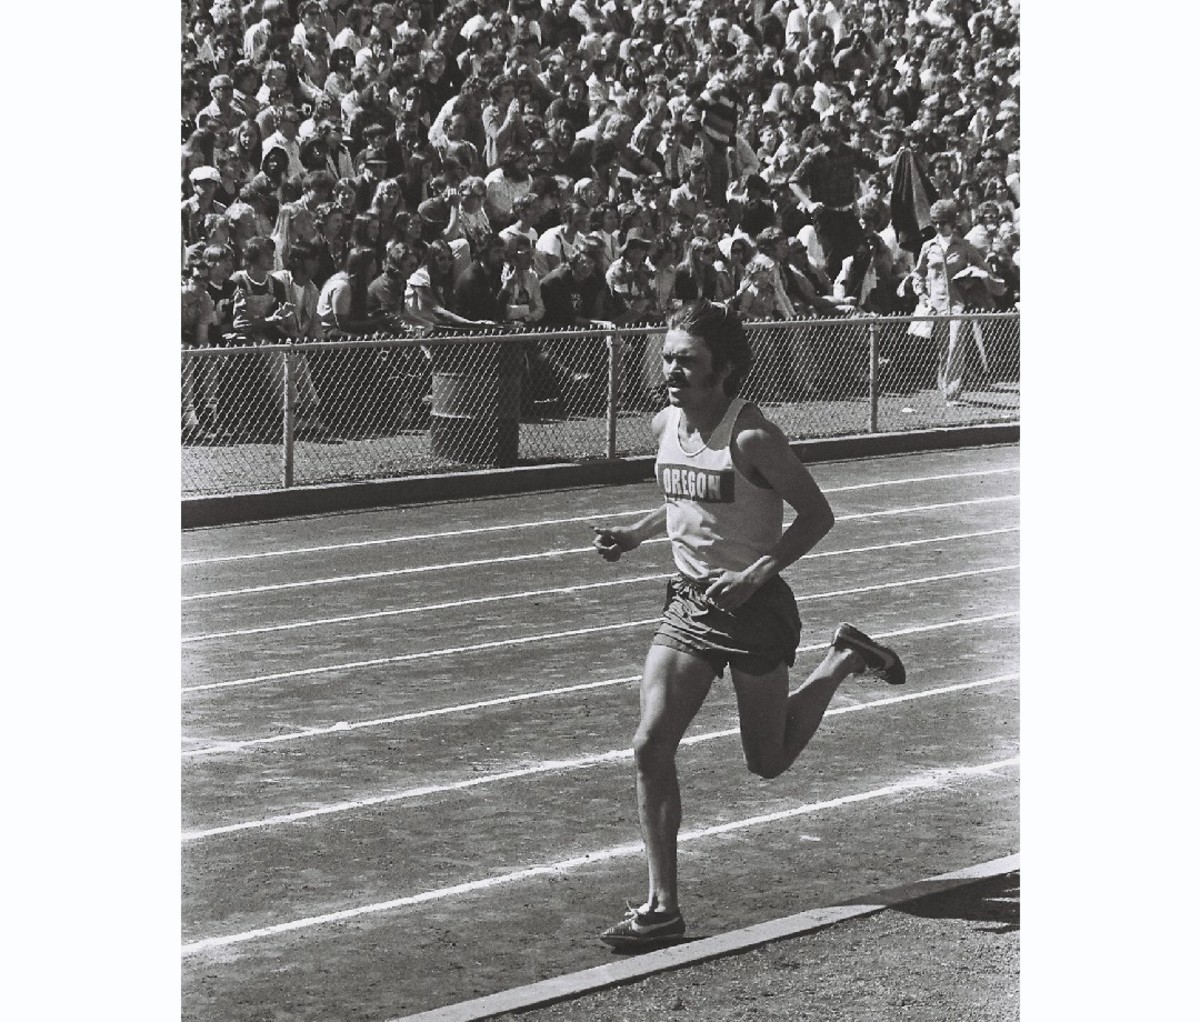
x=259, y=418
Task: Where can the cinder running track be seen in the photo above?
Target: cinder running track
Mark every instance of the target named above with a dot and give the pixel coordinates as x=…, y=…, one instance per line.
x=406, y=768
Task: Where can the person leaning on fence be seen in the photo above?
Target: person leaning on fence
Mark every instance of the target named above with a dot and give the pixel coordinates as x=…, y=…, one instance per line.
x=726, y=473
x=195, y=320
x=303, y=325
x=951, y=278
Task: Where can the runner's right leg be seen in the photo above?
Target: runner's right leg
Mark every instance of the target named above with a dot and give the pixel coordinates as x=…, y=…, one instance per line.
x=674, y=685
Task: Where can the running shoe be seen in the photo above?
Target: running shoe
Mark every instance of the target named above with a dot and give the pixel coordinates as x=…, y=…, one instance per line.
x=878, y=657
x=644, y=929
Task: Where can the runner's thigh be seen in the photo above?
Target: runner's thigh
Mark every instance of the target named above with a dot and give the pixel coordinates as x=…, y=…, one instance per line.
x=762, y=708
x=674, y=685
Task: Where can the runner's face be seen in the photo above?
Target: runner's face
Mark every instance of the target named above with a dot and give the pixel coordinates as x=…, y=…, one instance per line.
x=687, y=368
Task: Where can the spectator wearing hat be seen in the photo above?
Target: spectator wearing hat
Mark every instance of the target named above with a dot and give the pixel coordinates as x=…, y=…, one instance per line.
x=373, y=171
x=630, y=280
x=200, y=204
x=504, y=184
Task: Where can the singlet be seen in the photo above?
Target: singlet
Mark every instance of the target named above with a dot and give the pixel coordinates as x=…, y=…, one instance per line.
x=717, y=519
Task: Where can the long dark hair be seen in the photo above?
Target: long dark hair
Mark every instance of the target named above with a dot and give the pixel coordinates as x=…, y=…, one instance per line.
x=360, y=263
x=719, y=327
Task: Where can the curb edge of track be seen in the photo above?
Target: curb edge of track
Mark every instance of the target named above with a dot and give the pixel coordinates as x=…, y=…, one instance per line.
x=563, y=988
x=259, y=505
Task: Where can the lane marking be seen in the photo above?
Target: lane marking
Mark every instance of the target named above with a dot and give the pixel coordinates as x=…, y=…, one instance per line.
x=542, y=554
x=930, y=781
x=548, y=766
x=453, y=604
x=482, y=529
x=635, y=967
x=807, y=598
x=522, y=640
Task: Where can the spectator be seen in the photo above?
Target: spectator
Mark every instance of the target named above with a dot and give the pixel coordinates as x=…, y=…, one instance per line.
x=520, y=286
x=303, y=324
x=428, y=290
x=630, y=280
x=951, y=277
x=259, y=303
x=502, y=122
x=477, y=293
x=221, y=107
x=504, y=184
x=527, y=209
x=385, y=294
x=696, y=276
x=195, y=319
x=828, y=175
x=342, y=304
x=559, y=243
x=196, y=208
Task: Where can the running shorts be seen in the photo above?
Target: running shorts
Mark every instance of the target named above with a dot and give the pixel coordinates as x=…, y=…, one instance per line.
x=761, y=634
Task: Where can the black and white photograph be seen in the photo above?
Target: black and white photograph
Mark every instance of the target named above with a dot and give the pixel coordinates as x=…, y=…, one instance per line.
x=537, y=356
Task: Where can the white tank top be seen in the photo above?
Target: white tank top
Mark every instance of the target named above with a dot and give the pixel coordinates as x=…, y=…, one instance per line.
x=717, y=519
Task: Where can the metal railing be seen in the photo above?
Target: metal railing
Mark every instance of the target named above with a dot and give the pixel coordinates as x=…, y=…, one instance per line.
x=274, y=416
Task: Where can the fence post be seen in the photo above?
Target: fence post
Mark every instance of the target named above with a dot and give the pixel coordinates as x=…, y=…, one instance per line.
x=873, y=378
x=616, y=346
x=289, y=417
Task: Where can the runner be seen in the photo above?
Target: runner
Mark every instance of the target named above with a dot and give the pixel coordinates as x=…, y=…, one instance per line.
x=725, y=472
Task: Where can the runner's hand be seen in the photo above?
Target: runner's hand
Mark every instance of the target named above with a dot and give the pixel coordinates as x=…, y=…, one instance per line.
x=611, y=543
x=730, y=590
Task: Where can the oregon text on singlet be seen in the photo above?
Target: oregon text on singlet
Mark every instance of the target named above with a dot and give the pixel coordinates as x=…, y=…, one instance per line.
x=717, y=519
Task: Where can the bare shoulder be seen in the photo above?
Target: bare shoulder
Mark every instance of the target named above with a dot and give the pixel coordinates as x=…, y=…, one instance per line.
x=759, y=448
x=753, y=431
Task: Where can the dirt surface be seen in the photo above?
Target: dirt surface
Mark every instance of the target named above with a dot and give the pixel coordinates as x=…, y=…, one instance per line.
x=951, y=957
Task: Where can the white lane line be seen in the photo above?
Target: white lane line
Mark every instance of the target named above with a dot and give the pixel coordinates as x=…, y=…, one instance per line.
x=546, y=767
x=594, y=516
x=806, y=598
x=344, y=726
x=523, y=640
x=541, y=554
x=453, y=604
x=930, y=781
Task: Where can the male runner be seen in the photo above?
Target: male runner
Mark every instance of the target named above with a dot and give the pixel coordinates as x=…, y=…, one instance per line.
x=725, y=472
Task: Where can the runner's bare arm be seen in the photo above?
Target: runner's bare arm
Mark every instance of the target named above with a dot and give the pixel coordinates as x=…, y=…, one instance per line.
x=611, y=543
x=762, y=453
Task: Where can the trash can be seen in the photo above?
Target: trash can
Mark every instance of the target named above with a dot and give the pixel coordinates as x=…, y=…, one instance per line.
x=476, y=410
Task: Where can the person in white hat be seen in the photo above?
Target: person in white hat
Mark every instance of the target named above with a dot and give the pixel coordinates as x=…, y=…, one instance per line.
x=197, y=206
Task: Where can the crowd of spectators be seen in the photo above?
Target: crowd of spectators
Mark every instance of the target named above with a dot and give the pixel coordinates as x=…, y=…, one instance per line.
x=351, y=168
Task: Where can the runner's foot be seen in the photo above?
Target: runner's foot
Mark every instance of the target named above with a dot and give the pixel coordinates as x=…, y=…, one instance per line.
x=644, y=929
x=876, y=656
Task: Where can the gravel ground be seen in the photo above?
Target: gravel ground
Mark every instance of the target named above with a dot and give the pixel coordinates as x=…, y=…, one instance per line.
x=951, y=957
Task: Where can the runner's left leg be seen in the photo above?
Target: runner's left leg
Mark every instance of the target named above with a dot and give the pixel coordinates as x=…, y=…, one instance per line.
x=776, y=725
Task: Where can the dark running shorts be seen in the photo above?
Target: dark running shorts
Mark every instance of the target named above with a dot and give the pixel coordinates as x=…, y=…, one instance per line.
x=761, y=634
